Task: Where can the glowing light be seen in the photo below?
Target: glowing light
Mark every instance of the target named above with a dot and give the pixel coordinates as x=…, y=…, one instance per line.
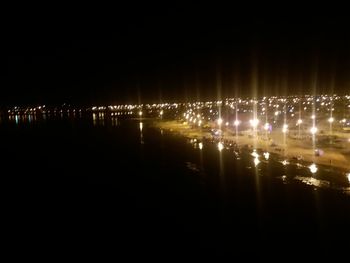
x=266, y=126
x=313, y=130
x=254, y=123
x=348, y=176
x=220, y=146
x=255, y=154
x=141, y=126
x=276, y=113
x=313, y=116
x=313, y=168
x=285, y=162
x=200, y=146
x=256, y=161
x=236, y=122
x=140, y=113
x=219, y=121
x=331, y=119
x=300, y=121
x=199, y=123
x=161, y=112
x=266, y=155
x=227, y=123
x=285, y=128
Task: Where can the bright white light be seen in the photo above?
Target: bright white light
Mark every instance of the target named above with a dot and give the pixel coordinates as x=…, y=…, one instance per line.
x=348, y=176
x=141, y=126
x=254, y=123
x=300, y=121
x=140, y=113
x=276, y=113
x=266, y=155
x=285, y=162
x=313, y=116
x=256, y=161
x=200, y=146
x=161, y=112
x=226, y=123
x=331, y=119
x=285, y=128
x=313, y=130
x=220, y=146
x=236, y=122
x=313, y=168
x=266, y=126
x=219, y=121
x=255, y=154
x=199, y=123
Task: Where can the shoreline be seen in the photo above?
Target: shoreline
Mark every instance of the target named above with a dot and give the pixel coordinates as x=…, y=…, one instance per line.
x=294, y=150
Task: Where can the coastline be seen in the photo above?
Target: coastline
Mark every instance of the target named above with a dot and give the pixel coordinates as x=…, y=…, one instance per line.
x=294, y=149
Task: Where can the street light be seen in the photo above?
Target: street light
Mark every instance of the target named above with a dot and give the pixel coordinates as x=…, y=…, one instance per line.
x=313, y=130
x=219, y=121
x=254, y=122
x=285, y=128
x=236, y=122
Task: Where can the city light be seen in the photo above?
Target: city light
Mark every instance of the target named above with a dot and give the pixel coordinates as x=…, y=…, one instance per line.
x=200, y=145
x=266, y=126
x=313, y=168
x=255, y=154
x=266, y=155
x=236, y=122
x=220, y=146
x=219, y=121
x=331, y=119
x=256, y=161
x=140, y=113
x=285, y=128
x=313, y=116
x=300, y=121
x=313, y=130
x=227, y=123
x=254, y=122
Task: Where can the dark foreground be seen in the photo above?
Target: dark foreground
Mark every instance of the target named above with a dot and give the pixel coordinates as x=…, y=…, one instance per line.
x=71, y=186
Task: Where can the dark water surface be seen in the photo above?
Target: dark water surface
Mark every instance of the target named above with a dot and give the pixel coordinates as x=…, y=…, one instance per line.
x=72, y=184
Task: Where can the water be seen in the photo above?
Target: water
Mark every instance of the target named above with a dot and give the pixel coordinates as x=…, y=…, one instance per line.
x=89, y=181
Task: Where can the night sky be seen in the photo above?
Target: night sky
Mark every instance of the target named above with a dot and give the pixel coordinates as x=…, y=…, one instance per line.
x=151, y=53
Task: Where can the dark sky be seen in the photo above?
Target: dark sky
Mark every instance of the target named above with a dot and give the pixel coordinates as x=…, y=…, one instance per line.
x=152, y=53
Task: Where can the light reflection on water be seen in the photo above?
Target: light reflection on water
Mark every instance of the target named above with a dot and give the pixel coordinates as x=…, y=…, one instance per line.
x=309, y=170
x=312, y=174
